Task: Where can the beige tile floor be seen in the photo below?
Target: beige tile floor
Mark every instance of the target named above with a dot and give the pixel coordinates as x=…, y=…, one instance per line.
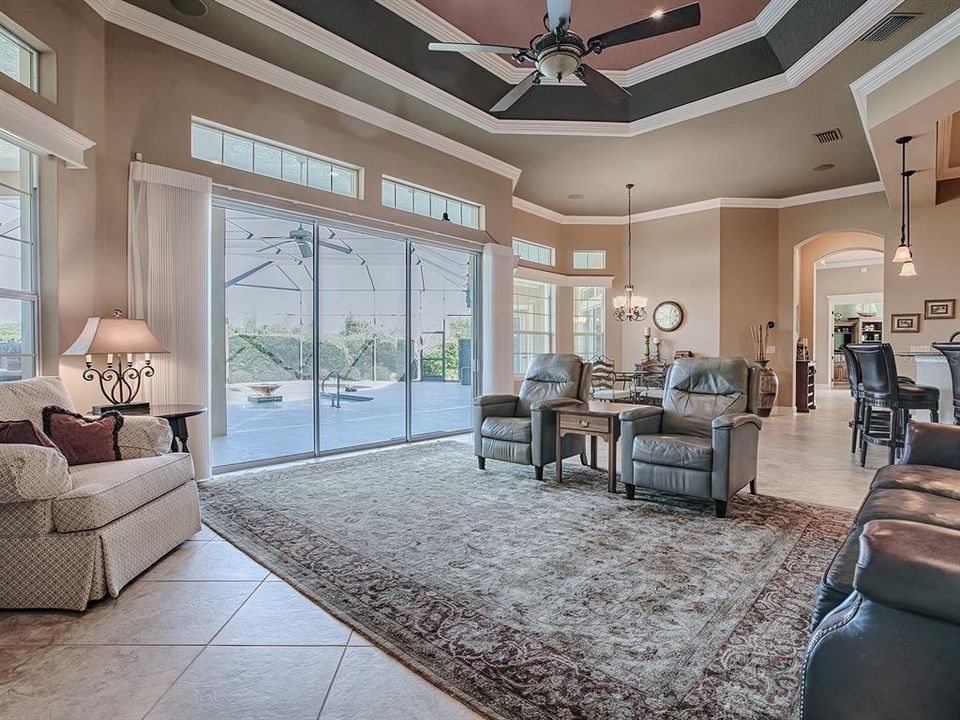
x=207, y=633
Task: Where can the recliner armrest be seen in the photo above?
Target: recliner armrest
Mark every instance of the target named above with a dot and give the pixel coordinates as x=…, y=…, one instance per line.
x=641, y=412
x=729, y=421
x=932, y=444
x=554, y=403
x=911, y=566
x=482, y=400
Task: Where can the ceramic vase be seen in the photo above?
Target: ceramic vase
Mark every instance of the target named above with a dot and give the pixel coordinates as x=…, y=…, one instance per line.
x=769, y=385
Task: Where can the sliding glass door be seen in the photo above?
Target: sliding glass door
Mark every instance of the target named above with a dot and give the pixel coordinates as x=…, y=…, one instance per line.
x=332, y=337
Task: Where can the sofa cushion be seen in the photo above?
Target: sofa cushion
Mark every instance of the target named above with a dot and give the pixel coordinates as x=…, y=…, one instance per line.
x=84, y=440
x=507, y=428
x=921, y=478
x=683, y=451
x=102, y=492
x=26, y=399
x=837, y=582
x=895, y=504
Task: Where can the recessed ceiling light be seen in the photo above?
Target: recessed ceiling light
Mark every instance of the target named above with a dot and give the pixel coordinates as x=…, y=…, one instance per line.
x=194, y=8
x=657, y=14
x=575, y=196
x=824, y=167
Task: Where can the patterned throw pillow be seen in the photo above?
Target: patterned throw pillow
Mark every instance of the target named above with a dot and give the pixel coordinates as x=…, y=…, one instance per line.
x=84, y=440
x=23, y=432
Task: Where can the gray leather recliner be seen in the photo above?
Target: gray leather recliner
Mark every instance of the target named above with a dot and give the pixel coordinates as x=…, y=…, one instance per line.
x=703, y=441
x=523, y=428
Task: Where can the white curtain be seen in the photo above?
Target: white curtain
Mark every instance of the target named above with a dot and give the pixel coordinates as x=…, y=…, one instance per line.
x=497, y=275
x=168, y=274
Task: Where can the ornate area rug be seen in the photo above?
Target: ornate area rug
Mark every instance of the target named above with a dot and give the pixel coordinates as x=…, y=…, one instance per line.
x=539, y=600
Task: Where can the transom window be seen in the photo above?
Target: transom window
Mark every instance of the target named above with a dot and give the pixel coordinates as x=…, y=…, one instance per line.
x=589, y=259
x=430, y=203
x=235, y=149
x=534, y=252
x=588, y=322
x=17, y=59
x=533, y=327
x=18, y=263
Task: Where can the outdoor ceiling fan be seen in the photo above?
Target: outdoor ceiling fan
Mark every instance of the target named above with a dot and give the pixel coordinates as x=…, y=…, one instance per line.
x=559, y=53
x=303, y=239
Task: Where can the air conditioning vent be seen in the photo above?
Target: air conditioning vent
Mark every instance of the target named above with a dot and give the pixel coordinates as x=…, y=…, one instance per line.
x=887, y=27
x=828, y=136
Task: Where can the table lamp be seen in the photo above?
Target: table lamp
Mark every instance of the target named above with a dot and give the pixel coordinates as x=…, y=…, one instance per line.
x=117, y=336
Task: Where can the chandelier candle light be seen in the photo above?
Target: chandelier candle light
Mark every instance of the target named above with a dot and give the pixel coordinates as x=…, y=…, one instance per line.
x=117, y=336
x=628, y=306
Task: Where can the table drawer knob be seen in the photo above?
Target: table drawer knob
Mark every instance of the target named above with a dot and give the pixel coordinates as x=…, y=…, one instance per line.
x=583, y=423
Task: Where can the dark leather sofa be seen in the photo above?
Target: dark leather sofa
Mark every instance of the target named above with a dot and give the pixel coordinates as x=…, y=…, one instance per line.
x=885, y=643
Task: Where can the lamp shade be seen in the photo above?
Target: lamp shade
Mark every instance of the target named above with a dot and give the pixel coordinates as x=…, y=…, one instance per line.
x=908, y=269
x=118, y=336
x=902, y=254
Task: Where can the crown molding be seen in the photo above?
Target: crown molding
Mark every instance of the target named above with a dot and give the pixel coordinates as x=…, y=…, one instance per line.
x=134, y=18
x=24, y=125
x=918, y=49
x=169, y=33
x=699, y=206
x=443, y=30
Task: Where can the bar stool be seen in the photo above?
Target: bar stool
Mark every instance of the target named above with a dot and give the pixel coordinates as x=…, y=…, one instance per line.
x=880, y=421
x=882, y=388
x=951, y=351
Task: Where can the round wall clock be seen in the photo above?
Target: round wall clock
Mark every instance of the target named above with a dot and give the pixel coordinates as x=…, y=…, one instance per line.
x=668, y=316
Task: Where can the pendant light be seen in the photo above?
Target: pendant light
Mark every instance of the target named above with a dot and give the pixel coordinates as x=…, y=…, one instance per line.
x=904, y=252
x=629, y=307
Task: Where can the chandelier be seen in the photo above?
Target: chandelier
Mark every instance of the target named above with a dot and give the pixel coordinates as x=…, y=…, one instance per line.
x=904, y=253
x=629, y=307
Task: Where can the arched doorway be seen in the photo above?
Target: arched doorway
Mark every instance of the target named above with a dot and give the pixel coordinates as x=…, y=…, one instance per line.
x=806, y=256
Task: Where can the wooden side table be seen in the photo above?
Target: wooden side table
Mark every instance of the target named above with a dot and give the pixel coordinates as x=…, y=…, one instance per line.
x=177, y=416
x=594, y=419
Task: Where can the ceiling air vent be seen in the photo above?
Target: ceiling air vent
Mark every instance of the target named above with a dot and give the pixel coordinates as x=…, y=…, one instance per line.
x=887, y=27
x=828, y=136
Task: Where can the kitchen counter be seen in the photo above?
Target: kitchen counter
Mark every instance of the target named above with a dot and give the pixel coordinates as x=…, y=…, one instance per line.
x=930, y=368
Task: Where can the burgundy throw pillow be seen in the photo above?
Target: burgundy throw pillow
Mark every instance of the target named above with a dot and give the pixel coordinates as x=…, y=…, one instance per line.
x=84, y=440
x=23, y=432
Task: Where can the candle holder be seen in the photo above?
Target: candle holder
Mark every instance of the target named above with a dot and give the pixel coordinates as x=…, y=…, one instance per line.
x=658, y=351
x=647, y=354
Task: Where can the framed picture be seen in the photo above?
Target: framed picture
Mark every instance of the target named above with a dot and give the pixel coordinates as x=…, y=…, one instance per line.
x=905, y=323
x=939, y=309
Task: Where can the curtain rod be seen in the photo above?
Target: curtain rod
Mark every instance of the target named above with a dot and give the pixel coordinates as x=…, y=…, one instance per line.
x=407, y=229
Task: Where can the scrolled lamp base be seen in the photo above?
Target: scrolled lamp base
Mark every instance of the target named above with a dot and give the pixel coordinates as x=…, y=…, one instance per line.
x=119, y=385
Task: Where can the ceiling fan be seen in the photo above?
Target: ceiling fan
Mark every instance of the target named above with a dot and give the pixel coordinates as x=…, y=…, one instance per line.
x=559, y=53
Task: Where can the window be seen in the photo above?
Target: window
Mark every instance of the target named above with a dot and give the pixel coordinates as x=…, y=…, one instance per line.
x=18, y=263
x=429, y=203
x=588, y=312
x=262, y=157
x=589, y=259
x=532, y=252
x=17, y=59
x=532, y=322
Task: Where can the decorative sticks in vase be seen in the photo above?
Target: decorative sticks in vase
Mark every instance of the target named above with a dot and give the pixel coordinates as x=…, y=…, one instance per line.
x=760, y=334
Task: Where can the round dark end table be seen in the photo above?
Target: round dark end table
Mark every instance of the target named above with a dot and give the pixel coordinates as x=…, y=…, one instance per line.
x=177, y=416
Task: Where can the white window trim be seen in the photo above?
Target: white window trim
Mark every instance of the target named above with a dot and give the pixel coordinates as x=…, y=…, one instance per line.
x=552, y=333
x=481, y=209
x=603, y=319
x=270, y=142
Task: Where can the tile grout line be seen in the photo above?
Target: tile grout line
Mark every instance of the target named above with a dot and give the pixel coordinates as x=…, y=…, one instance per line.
x=333, y=677
x=202, y=648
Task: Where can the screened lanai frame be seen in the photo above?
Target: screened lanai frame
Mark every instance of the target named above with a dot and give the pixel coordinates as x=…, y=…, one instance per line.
x=313, y=221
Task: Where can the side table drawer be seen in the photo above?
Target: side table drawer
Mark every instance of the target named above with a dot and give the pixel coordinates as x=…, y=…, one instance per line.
x=585, y=423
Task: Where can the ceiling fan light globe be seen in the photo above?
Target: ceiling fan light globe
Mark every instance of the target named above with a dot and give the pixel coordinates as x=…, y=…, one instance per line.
x=903, y=254
x=558, y=63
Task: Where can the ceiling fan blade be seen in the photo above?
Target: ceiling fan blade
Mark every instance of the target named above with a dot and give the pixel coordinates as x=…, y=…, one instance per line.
x=602, y=85
x=559, y=13
x=518, y=90
x=474, y=47
x=682, y=18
